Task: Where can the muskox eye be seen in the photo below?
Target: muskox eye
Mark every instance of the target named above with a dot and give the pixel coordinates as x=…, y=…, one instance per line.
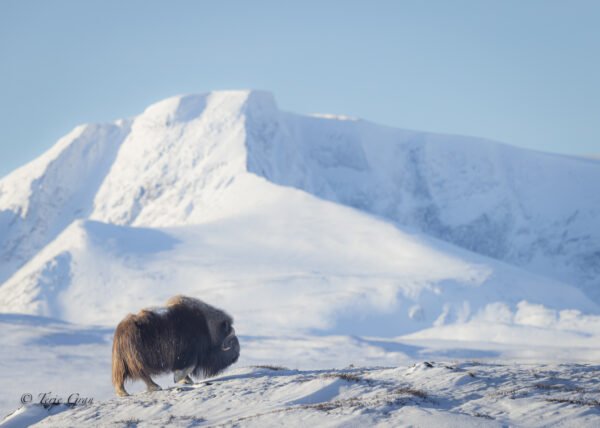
x=225, y=326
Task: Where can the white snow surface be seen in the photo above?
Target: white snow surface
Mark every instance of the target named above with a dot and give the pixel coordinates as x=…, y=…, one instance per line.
x=300, y=380
x=331, y=240
x=449, y=394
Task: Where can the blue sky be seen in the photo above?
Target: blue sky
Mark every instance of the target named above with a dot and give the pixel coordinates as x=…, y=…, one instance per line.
x=524, y=72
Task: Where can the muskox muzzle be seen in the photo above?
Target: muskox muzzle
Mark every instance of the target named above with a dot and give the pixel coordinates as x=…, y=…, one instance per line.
x=186, y=337
x=230, y=341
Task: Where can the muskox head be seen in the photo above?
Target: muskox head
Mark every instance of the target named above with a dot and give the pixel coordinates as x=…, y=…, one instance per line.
x=186, y=337
x=224, y=348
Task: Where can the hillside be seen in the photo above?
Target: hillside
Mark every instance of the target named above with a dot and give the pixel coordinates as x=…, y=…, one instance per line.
x=425, y=394
x=283, y=261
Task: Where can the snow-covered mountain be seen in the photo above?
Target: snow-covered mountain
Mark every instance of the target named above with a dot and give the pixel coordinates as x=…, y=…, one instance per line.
x=311, y=219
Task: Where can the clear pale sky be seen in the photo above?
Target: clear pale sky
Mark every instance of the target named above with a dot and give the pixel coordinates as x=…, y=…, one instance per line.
x=525, y=72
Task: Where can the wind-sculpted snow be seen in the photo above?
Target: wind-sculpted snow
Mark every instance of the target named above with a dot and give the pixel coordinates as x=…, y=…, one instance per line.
x=429, y=393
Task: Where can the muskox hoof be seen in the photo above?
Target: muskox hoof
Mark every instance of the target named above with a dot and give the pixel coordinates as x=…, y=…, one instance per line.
x=122, y=393
x=186, y=381
x=152, y=388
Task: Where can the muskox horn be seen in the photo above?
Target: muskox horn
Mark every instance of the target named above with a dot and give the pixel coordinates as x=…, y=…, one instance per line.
x=227, y=340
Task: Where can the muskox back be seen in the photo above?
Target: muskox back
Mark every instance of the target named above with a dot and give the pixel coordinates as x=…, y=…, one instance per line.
x=187, y=336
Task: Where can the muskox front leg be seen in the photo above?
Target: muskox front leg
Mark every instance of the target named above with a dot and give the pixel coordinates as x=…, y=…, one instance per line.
x=150, y=384
x=187, y=380
x=183, y=376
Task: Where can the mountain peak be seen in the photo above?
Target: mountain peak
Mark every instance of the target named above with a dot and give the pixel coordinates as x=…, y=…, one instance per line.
x=185, y=108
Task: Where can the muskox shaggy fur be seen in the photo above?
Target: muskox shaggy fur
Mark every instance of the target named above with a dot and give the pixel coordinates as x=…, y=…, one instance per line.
x=186, y=337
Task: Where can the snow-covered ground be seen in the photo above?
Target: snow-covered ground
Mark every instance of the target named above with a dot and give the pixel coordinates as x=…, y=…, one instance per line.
x=332, y=241
x=430, y=393
x=329, y=380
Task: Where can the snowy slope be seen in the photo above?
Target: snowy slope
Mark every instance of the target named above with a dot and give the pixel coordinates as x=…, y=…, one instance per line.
x=535, y=210
x=283, y=261
x=468, y=394
x=41, y=355
x=39, y=200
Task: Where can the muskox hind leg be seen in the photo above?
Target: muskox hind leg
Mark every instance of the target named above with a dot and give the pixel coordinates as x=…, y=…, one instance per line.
x=119, y=373
x=119, y=382
x=120, y=390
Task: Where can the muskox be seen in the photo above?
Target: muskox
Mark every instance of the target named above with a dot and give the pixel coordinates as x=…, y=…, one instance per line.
x=186, y=337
